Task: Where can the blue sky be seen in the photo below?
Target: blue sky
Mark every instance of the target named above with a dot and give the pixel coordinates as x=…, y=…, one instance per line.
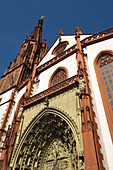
x=19, y=17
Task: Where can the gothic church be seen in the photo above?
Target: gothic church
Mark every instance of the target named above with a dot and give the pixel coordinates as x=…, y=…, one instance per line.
x=56, y=105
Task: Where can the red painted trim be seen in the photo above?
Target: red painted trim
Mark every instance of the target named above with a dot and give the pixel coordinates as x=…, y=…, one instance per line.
x=10, y=140
x=92, y=155
x=100, y=53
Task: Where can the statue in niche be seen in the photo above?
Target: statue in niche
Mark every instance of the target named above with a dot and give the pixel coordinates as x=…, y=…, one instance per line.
x=82, y=86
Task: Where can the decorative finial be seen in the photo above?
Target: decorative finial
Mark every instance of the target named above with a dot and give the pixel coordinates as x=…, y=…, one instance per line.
x=9, y=65
x=82, y=84
x=61, y=31
x=60, y=34
x=78, y=30
x=42, y=17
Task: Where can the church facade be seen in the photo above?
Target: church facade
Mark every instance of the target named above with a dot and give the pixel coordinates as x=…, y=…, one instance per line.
x=56, y=105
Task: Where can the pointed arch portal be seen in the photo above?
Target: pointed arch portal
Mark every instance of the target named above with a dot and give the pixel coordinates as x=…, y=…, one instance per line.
x=49, y=143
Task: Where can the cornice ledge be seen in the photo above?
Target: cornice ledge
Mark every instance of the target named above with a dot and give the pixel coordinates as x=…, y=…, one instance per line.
x=98, y=37
x=51, y=90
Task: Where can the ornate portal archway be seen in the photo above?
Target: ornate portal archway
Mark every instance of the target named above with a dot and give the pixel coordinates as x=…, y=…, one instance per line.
x=49, y=143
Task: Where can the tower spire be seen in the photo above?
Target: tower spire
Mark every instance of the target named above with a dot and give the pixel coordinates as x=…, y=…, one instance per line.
x=37, y=33
x=33, y=48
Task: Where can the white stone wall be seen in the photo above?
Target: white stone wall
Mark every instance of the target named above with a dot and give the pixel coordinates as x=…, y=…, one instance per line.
x=103, y=130
x=5, y=97
x=49, y=56
x=83, y=36
x=70, y=63
x=18, y=95
x=71, y=40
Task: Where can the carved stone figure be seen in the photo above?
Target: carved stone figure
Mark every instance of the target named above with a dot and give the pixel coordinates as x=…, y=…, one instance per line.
x=82, y=85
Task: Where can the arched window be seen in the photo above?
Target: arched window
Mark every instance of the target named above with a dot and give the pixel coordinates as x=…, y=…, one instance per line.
x=58, y=76
x=105, y=63
x=104, y=72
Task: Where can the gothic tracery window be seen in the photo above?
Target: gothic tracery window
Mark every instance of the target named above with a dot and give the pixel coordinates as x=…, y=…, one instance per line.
x=106, y=67
x=59, y=76
x=60, y=48
x=104, y=72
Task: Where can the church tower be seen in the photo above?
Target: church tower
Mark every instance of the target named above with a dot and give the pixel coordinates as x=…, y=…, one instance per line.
x=19, y=74
x=52, y=106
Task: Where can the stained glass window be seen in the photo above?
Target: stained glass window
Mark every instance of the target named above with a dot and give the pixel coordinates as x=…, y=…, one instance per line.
x=106, y=67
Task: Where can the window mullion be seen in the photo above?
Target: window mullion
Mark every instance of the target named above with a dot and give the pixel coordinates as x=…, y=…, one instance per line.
x=108, y=82
x=111, y=64
x=109, y=72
